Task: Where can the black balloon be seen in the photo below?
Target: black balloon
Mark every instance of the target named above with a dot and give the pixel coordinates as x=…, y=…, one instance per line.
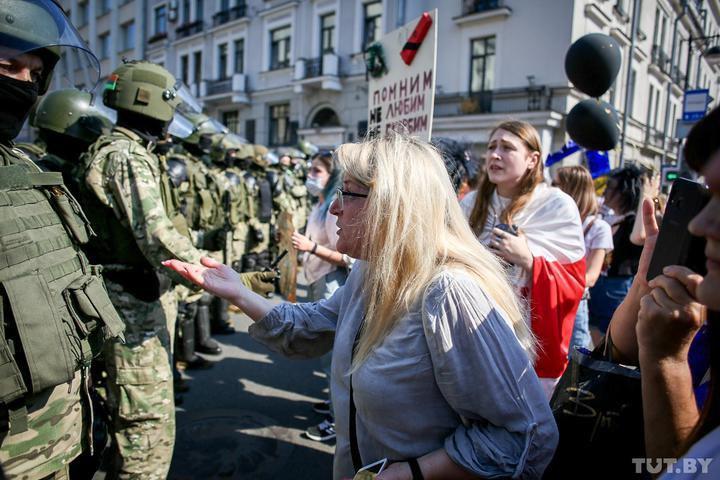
x=592, y=124
x=592, y=63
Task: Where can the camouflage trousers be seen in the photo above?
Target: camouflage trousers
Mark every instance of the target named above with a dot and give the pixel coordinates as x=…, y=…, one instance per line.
x=53, y=437
x=140, y=386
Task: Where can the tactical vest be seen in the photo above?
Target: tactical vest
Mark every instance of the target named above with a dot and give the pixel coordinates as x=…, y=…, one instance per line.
x=203, y=210
x=118, y=245
x=55, y=311
x=116, y=248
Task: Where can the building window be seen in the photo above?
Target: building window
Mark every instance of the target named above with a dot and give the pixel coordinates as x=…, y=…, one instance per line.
x=128, y=36
x=197, y=67
x=83, y=13
x=230, y=120
x=104, y=45
x=280, y=48
x=222, y=57
x=185, y=69
x=160, y=20
x=239, y=56
x=372, y=14
x=279, y=124
x=199, y=7
x=482, y=64
x=327, y=32
x=103, y=6
x=185, y=11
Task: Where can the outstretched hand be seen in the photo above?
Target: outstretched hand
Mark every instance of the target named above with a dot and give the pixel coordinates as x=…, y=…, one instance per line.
x=213, y=276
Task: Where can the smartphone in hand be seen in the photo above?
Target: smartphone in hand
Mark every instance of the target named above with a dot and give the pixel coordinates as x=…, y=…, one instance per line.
x=675, y=244
x=369, y=472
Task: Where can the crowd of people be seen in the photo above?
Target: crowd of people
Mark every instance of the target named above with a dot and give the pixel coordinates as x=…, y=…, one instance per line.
x=446, y=300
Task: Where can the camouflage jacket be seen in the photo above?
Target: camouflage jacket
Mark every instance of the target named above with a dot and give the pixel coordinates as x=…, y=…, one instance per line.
x=124, y=175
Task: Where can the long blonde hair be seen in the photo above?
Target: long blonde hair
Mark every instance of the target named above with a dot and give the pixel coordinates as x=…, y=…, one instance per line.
x=414, y=229
x=531, y=179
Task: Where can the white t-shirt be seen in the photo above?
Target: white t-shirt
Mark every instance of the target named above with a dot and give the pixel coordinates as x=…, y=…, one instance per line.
x=599, y=235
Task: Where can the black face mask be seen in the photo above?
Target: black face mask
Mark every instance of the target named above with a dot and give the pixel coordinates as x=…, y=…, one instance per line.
x=17, y=98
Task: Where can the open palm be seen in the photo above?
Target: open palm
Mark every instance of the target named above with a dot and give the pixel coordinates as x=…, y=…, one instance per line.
x=211, y=275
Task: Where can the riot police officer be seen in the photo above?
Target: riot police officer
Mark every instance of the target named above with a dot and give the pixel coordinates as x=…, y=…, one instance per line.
x=56, y=313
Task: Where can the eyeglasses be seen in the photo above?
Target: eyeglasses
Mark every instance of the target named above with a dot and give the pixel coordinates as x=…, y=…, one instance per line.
x=342, y=193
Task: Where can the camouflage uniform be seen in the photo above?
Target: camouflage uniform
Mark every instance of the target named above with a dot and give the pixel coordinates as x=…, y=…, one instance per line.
x=132, y=185
x=51, y=437
x=55, y=313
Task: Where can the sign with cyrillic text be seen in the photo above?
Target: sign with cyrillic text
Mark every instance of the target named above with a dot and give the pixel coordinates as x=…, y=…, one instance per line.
x=403, y=98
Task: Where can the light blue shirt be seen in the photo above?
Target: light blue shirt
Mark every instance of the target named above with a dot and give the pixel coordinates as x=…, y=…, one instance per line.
x=451, y=374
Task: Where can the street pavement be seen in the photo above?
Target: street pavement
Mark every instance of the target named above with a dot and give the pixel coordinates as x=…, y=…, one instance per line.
x=245, y=417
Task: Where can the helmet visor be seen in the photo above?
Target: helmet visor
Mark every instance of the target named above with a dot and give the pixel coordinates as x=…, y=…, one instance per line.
x=218, y=126
x=188, y=103
x=180, y=127
x=41, y=27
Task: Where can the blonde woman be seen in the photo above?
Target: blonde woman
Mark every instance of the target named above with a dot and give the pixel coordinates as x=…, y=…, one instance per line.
x=577, y=182
x=432, y=358
x=536, y=229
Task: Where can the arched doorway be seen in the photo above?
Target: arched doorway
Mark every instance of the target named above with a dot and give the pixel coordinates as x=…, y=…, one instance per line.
x=324, y=127
x=325, y=117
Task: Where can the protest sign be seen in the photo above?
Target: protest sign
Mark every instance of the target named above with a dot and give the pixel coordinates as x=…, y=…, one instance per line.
x=402, y=79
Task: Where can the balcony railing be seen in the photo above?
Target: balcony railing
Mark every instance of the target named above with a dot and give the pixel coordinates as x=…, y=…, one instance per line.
x=479, y=6
x=313, y=67
x=233, y=87
x=223, y=85
x=189, y=29
x=661, y=59
x=507, y=100
x=678, y=76
x=230, y=14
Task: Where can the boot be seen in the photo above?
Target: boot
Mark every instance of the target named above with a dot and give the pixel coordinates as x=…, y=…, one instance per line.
x=205, y=344
x=179, y=382
x=221, y=323
x=187, y=326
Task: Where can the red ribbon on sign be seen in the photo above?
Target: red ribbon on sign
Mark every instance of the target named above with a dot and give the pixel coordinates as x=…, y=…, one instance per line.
x=411, y=47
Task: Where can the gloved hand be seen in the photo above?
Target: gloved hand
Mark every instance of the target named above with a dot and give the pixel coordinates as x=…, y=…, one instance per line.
x=262, y=283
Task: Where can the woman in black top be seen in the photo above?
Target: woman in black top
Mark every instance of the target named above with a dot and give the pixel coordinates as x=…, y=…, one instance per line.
x=623, y=194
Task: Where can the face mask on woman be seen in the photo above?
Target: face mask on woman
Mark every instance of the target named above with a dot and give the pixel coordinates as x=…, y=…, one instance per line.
x=314, y=186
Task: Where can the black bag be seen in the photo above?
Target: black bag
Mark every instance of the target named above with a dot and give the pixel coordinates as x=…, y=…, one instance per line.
x=597, y=405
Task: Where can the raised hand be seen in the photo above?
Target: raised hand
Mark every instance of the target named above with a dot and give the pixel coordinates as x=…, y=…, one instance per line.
x=670, y=315
x=651, y=234
x=301, y=242
x=213, y=276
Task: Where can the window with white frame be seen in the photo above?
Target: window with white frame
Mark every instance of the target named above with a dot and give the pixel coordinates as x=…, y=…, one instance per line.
x=239, y=61
x=372, y=16
x=185, y=69
x=327, y=33
x=222, y=61
x=197, y=67
x=482, y=64
x=280, y=48
x=104, y=45
x=128, y=36
x=279, y=124
x=160, y=20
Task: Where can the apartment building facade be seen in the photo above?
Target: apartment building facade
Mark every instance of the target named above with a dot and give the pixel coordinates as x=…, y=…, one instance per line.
x=279, y=70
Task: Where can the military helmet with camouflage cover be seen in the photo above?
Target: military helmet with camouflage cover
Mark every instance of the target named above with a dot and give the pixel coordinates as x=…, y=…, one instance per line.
x=72, y=113
x=229, y=142
x=144, y=88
